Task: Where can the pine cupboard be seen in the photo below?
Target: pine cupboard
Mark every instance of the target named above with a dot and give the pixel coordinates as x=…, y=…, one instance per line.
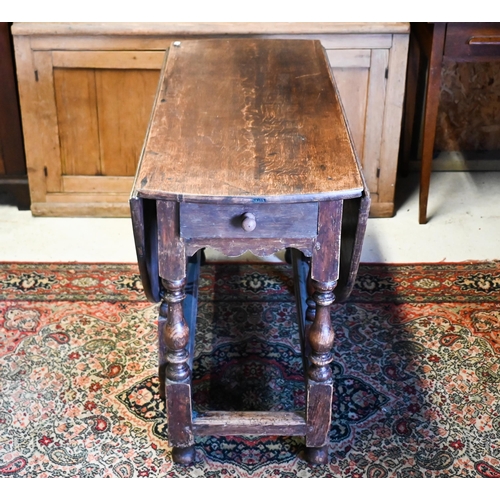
x=86, y=93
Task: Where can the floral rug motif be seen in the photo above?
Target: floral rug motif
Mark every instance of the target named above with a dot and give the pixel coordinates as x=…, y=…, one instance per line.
x=416, y=372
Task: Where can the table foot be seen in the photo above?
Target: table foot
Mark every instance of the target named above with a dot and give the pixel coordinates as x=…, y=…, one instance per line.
x=316, y=455
x=184, y=456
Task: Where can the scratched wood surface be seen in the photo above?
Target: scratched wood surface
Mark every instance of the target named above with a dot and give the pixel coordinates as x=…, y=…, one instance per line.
x=248, y=118
x=176, y=28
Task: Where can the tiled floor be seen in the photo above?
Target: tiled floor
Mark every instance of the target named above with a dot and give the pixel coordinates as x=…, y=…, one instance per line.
x=464, y=224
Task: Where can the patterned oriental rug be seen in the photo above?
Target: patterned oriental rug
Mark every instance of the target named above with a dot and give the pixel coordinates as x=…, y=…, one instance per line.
x=417, y=372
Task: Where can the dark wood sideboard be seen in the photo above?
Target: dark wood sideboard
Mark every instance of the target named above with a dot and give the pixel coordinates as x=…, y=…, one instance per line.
x=13, y=175
x=431, y=45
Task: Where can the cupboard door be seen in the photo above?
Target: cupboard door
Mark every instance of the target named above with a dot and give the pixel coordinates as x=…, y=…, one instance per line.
x=360, y=75
x=98, y=105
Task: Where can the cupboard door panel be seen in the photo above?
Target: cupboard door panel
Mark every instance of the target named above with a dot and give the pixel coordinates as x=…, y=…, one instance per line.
x=349, y=58
x=103, y=104
x=354, y=101
x=375, y=118
x=77, y=120
x=109, y=59
x=124, y=103
x=45, y=129
x=395, y=85
x=361, y=79
x=97, y=184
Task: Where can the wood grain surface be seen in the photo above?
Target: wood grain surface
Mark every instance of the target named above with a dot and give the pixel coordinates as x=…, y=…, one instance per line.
x=142, y=28
x=261, y=423
x=251, y=119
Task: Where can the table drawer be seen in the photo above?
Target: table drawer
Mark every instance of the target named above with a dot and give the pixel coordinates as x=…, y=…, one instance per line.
x=290, y=220
x=472, y=41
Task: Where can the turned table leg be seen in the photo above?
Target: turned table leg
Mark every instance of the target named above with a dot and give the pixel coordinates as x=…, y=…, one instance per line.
x=321, y=281
x=175, y=339
x=311, y=305
x=162, y=349
x=320, y=338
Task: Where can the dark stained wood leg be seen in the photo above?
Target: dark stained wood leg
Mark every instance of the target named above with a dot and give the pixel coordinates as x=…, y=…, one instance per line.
x=311, y=305
x=177, y=372
x=162, y=350
x=190, y=307
x=301, y=270
x=320, y=338
x=316, y=409
x=430, y=117
x=320, y=335
x=176, y=332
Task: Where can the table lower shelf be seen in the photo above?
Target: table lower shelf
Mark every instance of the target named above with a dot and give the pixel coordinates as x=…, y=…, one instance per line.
x=259, y=423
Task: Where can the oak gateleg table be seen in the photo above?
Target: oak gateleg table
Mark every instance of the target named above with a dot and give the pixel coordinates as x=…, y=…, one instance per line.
x=248, y=149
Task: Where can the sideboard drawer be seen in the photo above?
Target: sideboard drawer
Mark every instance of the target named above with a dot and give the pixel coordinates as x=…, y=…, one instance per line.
x=261, y=220
x=471, y=41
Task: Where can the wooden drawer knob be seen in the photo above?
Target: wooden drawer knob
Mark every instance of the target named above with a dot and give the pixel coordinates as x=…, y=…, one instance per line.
x=248, y=223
